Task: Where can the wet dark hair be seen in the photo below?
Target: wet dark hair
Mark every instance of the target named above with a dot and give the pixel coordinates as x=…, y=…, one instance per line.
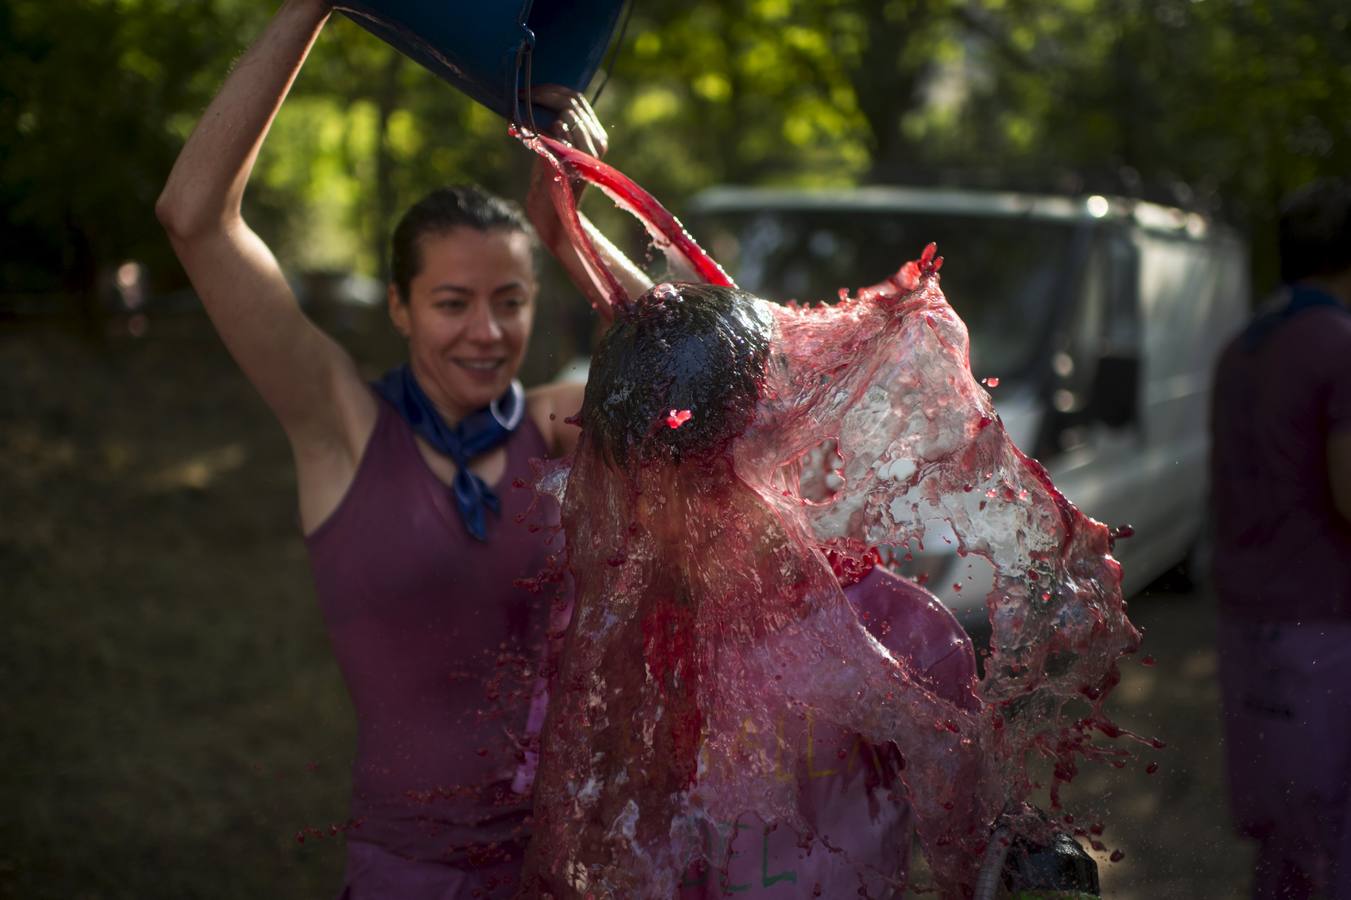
x=1315, y=230
x=680, y=347
x=443, y=210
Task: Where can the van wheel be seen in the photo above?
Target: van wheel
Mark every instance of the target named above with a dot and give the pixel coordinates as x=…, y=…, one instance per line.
x=1192, y=574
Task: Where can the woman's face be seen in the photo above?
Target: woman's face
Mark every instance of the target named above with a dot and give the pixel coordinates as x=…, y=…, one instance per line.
x=468, y=316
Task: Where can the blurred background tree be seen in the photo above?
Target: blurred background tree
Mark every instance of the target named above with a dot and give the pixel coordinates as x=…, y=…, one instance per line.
x=89, y=97
x=1221, y=104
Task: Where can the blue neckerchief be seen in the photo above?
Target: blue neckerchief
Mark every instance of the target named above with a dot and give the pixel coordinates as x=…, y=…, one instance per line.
x=475, y=434
x=1302, y=297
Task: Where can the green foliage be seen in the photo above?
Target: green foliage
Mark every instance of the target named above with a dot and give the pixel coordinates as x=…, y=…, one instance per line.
x=1237, y=99
x=1231, y=102
x=87, y=91
x=734, y=93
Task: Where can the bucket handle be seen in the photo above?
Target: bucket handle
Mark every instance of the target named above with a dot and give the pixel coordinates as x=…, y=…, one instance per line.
x=614, y=50
x=524, y=51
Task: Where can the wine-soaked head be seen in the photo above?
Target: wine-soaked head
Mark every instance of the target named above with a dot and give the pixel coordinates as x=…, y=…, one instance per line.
x=678, y=375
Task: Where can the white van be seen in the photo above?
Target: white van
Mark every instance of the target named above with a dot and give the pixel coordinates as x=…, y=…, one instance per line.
x=1099, y=317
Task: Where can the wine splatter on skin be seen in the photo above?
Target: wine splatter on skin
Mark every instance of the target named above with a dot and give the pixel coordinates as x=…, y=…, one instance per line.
x=708, y=623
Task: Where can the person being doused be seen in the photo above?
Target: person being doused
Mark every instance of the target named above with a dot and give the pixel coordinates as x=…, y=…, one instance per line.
x=709, y=627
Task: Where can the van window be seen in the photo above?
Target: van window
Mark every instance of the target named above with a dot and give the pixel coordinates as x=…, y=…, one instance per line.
x=1087, y=317
x=1122, y=334
x=1178, y=285
x=1001, y=274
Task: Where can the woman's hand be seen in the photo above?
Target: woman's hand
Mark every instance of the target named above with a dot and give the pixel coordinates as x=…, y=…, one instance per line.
x=576, y=124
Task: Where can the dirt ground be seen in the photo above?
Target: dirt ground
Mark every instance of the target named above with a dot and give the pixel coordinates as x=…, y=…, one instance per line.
x=1172, y=825
x=173, y=718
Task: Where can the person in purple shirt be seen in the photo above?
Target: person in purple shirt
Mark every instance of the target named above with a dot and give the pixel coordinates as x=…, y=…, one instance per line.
x=406, y=495
x=1281, y=489
x=408, y=510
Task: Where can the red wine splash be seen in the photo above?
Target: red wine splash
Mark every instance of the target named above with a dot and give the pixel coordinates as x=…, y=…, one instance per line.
x=709, y=624
x=665, y=229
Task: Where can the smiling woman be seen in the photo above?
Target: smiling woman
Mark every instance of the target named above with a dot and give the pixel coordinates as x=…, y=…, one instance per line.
x=463, y=294
x=416, y=537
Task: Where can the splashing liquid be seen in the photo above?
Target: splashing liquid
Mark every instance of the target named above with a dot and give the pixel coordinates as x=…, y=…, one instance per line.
x=709, y=629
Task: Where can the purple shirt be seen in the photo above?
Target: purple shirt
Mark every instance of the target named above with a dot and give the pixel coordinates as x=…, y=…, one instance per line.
x=438, y=647
x=849, y=790
x=1282, y=552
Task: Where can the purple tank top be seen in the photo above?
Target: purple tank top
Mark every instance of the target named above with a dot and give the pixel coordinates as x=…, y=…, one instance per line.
x=439, y=648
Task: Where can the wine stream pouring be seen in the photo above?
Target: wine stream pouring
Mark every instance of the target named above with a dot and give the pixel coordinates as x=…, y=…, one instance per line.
x=708, y=624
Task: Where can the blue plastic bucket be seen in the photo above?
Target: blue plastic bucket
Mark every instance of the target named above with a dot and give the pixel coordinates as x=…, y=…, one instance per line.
x=477, y=45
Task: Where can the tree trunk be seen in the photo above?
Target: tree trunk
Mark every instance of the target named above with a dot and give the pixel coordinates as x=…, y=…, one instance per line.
x=887, y=79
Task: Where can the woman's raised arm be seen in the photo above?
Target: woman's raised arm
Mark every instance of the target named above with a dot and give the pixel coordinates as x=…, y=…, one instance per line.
x=307, y=379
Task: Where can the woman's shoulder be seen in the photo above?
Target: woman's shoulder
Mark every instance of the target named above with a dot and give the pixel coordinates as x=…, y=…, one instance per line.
x=550, y=407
